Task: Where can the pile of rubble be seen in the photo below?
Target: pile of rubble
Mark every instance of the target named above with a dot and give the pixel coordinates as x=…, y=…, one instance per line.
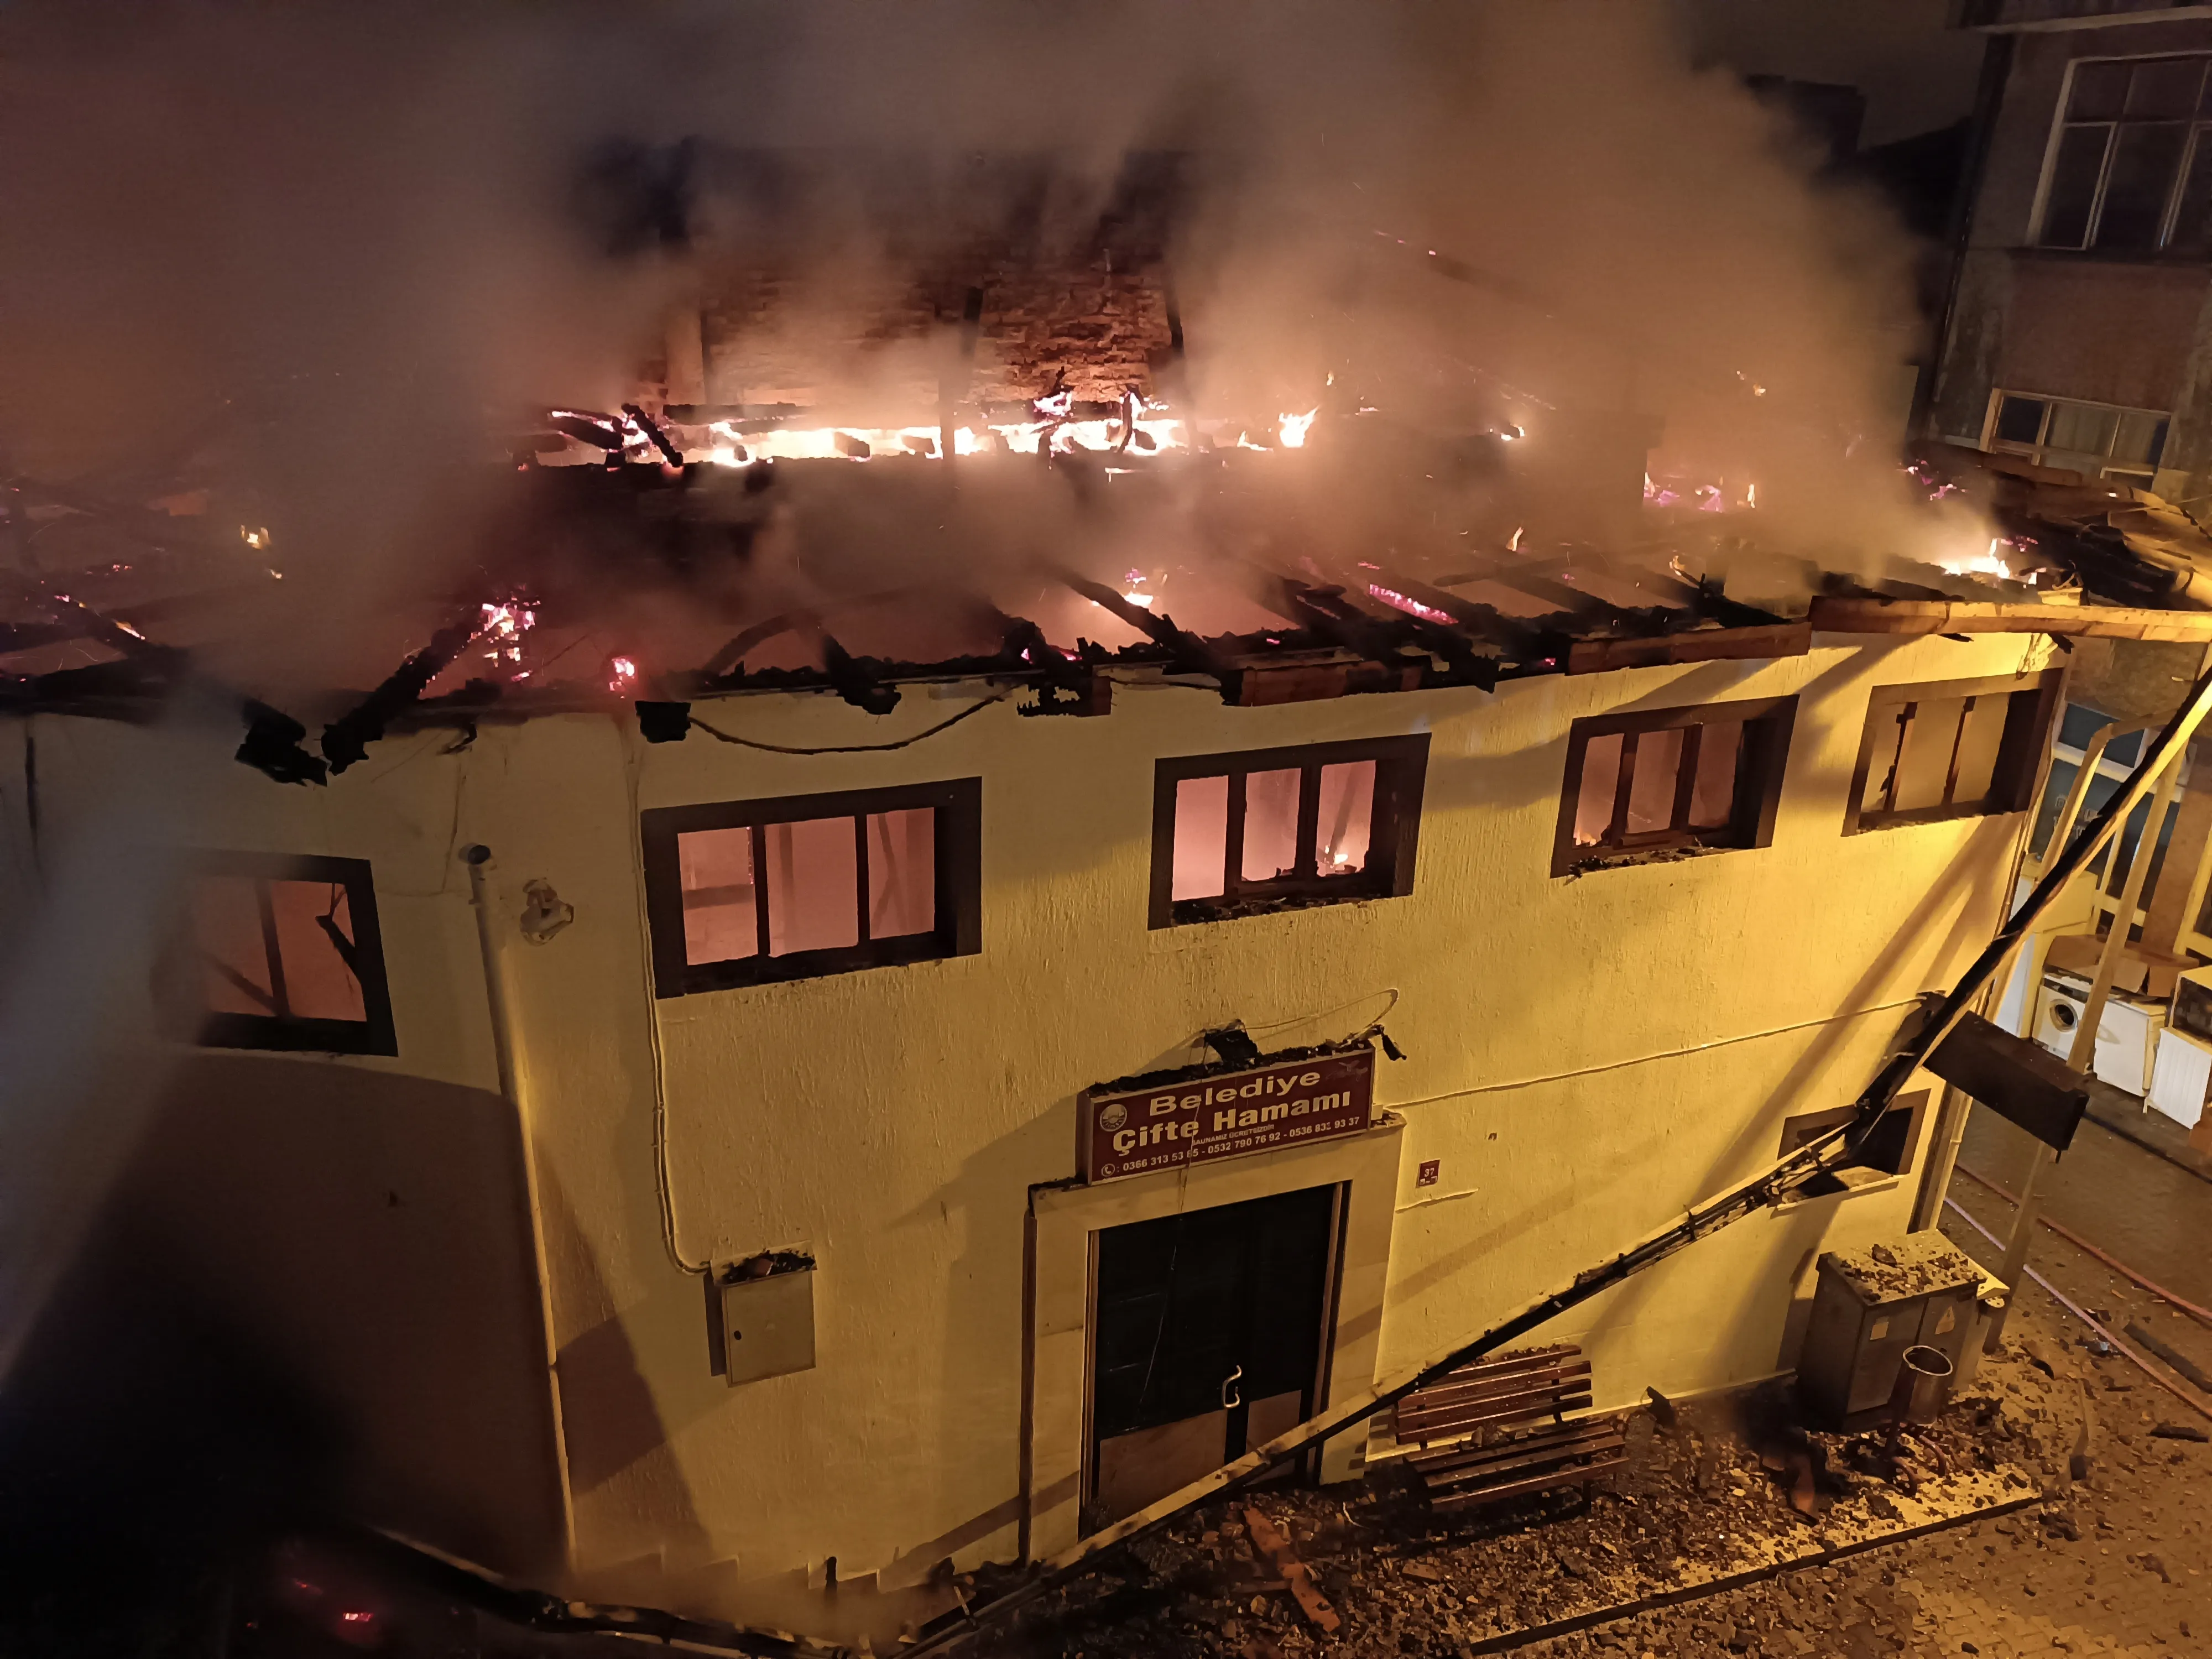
x=1725, y=1495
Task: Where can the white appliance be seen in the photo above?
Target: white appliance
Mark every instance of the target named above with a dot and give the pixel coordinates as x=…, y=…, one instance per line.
x=2181, y=1082
x=2127, y=1038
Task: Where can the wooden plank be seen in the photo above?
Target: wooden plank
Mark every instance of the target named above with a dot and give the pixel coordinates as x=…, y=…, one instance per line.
x=1697, y=645
x=1269, y=1540
x=1421, y=1409
x=1529, y=1362
x=1539, y=1366
x=1433, y=1424
x=1582, y=1477
x=1451, y=1469
x=2113, y=621
x=1559, y=1374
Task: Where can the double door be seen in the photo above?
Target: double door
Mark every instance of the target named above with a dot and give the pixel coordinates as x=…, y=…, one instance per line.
x=1209, y=1336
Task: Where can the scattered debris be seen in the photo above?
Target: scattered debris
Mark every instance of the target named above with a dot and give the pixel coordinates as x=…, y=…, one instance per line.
x=1268, y=1539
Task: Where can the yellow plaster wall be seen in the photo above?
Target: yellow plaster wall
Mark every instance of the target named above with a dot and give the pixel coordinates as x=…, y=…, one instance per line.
x=1585, y=1057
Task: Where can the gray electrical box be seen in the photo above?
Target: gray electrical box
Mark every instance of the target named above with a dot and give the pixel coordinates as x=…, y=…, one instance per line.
x=763, y=1323
x=1870, y=1306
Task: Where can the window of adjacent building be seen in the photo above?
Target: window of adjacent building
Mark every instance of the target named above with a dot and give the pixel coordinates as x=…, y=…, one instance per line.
x=1953, y=748
x=745, y=891
x=2102, y=439
x=2130, y=164
x=1887, y=1150
x=1670, y=780
x=281, y=952
x=1277, y=829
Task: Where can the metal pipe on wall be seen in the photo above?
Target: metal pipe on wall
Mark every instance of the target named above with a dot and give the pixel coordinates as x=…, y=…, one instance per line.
x=499, y=1005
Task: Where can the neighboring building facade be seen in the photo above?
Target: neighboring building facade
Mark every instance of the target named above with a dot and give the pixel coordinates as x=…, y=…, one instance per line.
x=838, y=1008
x=2079, y=334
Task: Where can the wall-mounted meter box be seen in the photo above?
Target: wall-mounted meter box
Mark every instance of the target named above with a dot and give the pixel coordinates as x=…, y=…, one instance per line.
x=760, y=1316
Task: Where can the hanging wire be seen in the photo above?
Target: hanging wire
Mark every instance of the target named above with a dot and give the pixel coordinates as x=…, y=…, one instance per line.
x=850, y=748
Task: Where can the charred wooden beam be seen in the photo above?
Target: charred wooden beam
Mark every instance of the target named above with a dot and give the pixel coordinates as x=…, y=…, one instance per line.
x=1878, y=615
x=644, y=423
x=1484, y=621
x=273, y=745
x=346, y=739
x=1692, y=645
x=1523, y=579
x=730, y=659
x=858, y=680
x=1705, y=598
x=1380, y=640
x=1187, y=653
x=600, y=431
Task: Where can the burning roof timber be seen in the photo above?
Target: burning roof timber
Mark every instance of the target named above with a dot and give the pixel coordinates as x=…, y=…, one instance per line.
x=670, y=569
x=992, y=465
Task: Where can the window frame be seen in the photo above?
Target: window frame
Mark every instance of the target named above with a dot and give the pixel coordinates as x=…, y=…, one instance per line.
x=1802, y=1126
x=2196, y=123
x=1401, y=765
x=2039, y=452
x=374, y=1033
x=2020, y=750
x=1761, y=760
x=957, y=837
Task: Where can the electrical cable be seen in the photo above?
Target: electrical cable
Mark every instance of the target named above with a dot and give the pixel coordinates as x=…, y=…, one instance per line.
x=1645, y=1059
x=663, y=1189
x=850, y=748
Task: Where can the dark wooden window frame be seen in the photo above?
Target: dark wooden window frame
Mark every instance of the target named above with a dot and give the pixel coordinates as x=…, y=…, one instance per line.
x=373, y=1034
x=1402, y=767
x=2028, y=716
x=1761, y=759
x=958, y=840
x=1800, y=1128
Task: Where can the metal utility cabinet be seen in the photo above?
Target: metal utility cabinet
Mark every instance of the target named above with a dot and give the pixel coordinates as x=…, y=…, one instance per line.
x=1871, y=1305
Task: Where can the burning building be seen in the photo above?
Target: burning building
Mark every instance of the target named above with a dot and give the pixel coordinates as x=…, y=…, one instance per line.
x=944, y=924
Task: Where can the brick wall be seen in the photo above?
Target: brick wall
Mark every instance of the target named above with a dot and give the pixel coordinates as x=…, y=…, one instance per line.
x=1097, y=331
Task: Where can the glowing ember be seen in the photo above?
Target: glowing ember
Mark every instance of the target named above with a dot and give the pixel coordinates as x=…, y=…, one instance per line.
x=621, y=674
x=256, y=539
x=1513, y=542
x=1411, y=607
x=1292, y=428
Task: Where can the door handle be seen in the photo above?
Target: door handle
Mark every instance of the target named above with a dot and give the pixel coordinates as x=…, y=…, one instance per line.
x=1230, y=1399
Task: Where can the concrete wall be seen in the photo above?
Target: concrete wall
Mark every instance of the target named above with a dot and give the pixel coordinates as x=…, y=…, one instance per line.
x=1585, y=1056
x=2121, y=330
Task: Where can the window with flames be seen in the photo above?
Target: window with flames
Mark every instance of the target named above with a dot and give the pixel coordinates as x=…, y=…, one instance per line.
x=746, y=891
x=281, y=953
x=1670, y=780
x=1277, y=829
x=2130, y=164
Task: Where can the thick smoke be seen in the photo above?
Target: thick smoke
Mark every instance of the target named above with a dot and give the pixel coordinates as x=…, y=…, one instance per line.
x=374, y=237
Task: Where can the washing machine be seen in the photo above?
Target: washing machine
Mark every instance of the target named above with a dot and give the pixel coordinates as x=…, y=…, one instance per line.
x=2127, y=1040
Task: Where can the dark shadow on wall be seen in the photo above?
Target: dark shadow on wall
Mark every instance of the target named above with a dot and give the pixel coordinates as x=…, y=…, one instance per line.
x=312, y=1288
x=148, y=1449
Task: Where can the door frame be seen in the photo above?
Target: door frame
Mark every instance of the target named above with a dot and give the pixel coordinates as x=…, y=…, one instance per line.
x=1317, y=1385
x=1062, y=1280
